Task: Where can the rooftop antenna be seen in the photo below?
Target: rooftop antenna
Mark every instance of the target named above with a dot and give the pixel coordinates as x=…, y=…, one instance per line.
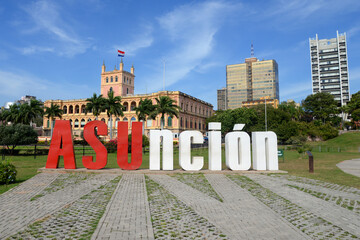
x=252, y=50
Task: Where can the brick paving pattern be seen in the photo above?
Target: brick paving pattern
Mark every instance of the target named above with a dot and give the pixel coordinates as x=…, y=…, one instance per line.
x=340, y=218
x=178, y=206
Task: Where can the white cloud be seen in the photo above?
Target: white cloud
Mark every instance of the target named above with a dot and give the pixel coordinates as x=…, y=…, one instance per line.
x=352, y=31
x=46, y=16
x=18, y=83
x=35, y=49
x=190, y=30
x=295, y=91
x=295, y=11
x=141, y=40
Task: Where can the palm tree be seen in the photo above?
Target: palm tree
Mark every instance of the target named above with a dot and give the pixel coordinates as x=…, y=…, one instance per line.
x=165, y=105
x=95, y=104
x=144, y=109
x=13, y=114
x=29, y=112
x=113, y=106
x=52, y=112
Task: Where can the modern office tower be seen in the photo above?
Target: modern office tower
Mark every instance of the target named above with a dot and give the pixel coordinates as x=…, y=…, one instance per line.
x=251, y=81
x=329, y=67
x=221, y=99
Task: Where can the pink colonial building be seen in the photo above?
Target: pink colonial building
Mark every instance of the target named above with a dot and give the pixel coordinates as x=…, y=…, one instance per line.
x=192, y=115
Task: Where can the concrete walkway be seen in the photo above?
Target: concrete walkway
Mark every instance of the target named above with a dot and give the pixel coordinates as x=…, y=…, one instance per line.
x=350, y=166
x=160, y=206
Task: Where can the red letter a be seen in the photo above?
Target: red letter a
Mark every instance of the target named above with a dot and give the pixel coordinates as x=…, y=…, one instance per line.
x=61, y=137
x=136, y=145
x=94, y=142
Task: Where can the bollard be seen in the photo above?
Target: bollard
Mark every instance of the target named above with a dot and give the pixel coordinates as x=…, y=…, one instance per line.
x=35, y=152
x=311, y=162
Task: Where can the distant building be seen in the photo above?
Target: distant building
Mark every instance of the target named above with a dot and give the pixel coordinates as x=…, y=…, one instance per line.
x=192, y=116
x=251, y=81
x=329, y=67
x=221, y=99
x=263, y=100
x=25, y=99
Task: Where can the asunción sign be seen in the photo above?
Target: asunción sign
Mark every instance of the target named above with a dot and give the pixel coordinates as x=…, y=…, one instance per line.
x=237, y=148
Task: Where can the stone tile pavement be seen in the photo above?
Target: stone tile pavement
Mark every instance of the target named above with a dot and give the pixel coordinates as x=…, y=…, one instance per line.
x=158, y=206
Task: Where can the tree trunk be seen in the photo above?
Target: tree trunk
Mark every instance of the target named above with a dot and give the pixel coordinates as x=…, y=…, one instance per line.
x=51, y=127
x=111, y=128
x=162, y=123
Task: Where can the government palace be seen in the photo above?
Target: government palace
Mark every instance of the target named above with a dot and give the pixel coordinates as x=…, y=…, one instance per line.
x=192, y=115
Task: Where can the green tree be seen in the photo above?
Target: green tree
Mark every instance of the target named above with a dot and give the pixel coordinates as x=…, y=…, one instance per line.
x=95, y=105
x=28, y=112
x=17, y=134
x=165, y=105
x=52, y=112
x=144, y=110
x=321, y=106
x=13, y=114
x=113, y=106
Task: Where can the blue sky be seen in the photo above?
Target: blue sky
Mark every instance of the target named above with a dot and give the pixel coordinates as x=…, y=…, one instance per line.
x=55, y=49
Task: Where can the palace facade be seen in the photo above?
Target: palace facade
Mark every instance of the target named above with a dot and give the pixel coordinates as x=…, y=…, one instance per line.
x=192, y=115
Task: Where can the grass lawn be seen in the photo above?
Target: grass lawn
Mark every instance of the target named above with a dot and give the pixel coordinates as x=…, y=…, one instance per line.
x=295, y=163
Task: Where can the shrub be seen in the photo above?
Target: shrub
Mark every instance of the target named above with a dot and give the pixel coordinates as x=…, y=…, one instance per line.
x=7, y=172
x=111, y=146
x=19, y=134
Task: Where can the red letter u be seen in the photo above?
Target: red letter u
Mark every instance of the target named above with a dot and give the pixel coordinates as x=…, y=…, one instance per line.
x=136, y=145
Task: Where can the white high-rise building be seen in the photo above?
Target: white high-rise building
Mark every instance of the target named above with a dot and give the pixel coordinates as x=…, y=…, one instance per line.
x=329, y=67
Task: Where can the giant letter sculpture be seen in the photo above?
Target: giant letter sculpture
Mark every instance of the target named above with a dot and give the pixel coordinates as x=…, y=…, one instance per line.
x=185, y=151
x=264, y=147
x=215, y=146
x=94, y=142
x=167, y=153
x=136, y=145
x=237, y=149
x=61, y=145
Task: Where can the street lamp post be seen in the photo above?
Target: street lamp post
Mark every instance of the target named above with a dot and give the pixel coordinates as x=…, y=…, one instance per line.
x=265, y=117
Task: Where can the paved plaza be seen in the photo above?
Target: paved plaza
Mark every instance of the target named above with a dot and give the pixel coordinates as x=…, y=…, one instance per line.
x=110, y=205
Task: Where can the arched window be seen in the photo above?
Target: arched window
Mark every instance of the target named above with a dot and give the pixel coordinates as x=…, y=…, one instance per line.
x=111, y=89
x=125, y=119
x=126, y=106
x=133, y=106
x=107, y=79
x=169, y=122
x=76, y=123
x=111, y=79
x=103, y=119
x=124, y=79
x=195, y=125
x=82, y=123
x=82, y=108
x=65, y=110
x=71, y=109
x=71, y=124
x=133, y=119
x=181, y=122
x=186, y=123
x=48, y=123
x=116, y=78
x=89, y=120
x=191, y=125
x=127, y=91
x=130, y=81
x=149, y=122
x=77, y=109
x=116, y=122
